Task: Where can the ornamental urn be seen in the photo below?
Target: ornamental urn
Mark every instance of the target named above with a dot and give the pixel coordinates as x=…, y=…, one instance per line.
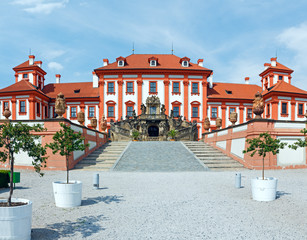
x=7, y=113
x=218, y=123
x=60, y=105
x=81, y=117
x=258, y=105
x=233, y=118
x=94, y=123
x=103, y=124
x=207, y=124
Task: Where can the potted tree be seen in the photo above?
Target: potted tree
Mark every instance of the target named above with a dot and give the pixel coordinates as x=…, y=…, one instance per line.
x=135, y=135
x=66, y=141
x=264, y=189
x=16, y=213
x=172, y=133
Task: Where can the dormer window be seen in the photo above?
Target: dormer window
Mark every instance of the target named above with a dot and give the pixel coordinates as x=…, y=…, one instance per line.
x=120, y=63
x=185, y=61
x=25, y=75
x=153, y=63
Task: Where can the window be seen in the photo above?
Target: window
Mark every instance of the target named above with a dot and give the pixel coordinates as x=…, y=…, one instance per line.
x=300, y=109
x=111, y=87
x=73, y=112
x=185, y=63
x=5, y=105
x=38, y=108
x=284, y=107
x=120, y=63
x=129, y=87
x=176, y=87
x=91, y=112
x=279, y=77
x=110, y=111
x=22, y=107
x=25, y=75
x=176, y=111
x=46, y=112
x=152, y=87
x=129, y=111
x=268, y=109
x=249, y=113
x=214, y=112
x=195, y=112
x=231, y=110
x=152, y=110
x=153, y=63
x=194, y=87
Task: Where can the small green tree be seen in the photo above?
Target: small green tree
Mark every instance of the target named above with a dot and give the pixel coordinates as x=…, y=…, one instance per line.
x=300, y=142
x=172, y=133
x=16, y=137
x=262, y=145
x=67, y=141
x=135, y=134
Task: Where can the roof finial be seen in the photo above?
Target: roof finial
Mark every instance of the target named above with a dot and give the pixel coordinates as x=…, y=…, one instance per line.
x=172, y=48
x=132, y=47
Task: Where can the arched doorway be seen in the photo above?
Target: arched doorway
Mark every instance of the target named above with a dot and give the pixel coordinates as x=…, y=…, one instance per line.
x=153, y=131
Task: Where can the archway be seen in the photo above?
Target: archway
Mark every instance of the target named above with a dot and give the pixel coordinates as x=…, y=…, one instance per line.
x=153, y=131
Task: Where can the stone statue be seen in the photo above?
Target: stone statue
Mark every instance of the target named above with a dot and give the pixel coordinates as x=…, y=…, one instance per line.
x=143, y=109
x=94, y=123
x=133, y=114
x=207, y=124
x=233, y=118
x=103, y=124
x=60, y=105
x=163, y=109
x=258, y=105
x=7, y=113
x=218, y=123
x=81, y=117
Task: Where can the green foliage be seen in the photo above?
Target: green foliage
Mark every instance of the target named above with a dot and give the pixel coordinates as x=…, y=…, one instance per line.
x=4, y=178
x=300, y=142
x=172, y=133
x=16, y=137
x=66, y=141
x=135, y=134
x=262, y=145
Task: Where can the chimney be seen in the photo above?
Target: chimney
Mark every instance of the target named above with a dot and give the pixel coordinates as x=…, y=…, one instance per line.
x=200, y=62
x=95, y=80
x=273, y=62
x=210, y=80
x=266, y=66
x=31, y=59
x=105, y=62
x=57, y=78
x=247, y=80
x=38, y=63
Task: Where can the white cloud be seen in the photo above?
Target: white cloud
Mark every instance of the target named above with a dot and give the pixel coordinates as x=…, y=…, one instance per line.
x=55, y=66
x=51, y=54
x=40, y=6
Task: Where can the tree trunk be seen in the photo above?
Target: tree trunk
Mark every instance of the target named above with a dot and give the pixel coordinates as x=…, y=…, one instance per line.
x=67, y=170
x=263, y=168
x=11, y=154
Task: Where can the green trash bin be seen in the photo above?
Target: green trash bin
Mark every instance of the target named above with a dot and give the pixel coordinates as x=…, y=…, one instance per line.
x=16, y=177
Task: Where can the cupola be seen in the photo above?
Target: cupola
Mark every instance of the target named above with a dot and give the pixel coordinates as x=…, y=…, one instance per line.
x=153, y=61
x=185, y=62
x=121, y=61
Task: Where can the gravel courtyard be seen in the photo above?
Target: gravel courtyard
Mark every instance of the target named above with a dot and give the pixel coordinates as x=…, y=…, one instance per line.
x=167, y=205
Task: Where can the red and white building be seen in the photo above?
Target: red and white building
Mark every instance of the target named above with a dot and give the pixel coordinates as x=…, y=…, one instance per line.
x=122, y=86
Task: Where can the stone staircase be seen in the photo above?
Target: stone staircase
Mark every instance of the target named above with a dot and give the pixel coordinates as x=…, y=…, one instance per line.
x=214, y=159
x=103, y=158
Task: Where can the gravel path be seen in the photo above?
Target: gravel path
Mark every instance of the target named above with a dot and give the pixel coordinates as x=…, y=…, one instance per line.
x=158, y=157
x=165, y=205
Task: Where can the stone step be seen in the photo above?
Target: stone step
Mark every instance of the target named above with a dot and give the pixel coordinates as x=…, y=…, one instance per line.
x=224, y=165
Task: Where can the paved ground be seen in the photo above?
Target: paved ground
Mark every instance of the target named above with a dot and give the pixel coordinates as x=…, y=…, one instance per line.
x=158, y=157
x=168, y=206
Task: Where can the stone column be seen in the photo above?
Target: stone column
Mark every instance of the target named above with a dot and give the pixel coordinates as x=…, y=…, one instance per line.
x=166, y=95
x=139, y=97
x=186, y=98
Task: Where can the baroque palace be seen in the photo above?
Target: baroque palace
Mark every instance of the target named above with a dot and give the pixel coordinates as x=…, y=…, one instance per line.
x=185, y=89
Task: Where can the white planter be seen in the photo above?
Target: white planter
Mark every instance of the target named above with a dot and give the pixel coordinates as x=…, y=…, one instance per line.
x=67, y=195
x=15, y=222
x=264, y=190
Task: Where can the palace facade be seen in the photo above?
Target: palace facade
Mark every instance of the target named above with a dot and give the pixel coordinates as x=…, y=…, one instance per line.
x=119, y=88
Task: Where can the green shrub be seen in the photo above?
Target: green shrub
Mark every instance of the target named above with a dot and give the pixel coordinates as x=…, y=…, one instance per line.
x=4, y=178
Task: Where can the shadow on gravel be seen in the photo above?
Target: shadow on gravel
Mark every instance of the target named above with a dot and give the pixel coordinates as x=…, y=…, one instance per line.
x=86, y=226
x=106, y=199
x=3, y=190
x=281, y=193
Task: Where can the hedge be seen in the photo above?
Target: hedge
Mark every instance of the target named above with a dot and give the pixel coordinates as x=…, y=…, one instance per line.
x=4, y=178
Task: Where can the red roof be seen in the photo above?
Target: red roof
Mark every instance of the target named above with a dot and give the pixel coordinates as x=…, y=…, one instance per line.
x=140, y=61
x=70, y=90
x=20, y=86
x=26, y=65
x=279, y=66
x=233, y=91
x=282, y=86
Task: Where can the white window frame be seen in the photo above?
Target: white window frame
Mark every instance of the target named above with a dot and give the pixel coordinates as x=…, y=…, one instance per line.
x=153, y=63
x=185, y=63
x=120, y=63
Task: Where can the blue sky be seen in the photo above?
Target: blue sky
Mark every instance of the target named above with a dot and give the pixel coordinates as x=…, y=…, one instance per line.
x=235, y=38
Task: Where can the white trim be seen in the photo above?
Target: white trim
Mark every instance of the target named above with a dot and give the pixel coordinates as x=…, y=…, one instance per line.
x=24, y=96
x=268, y=99
x=110, y=76
x=5, y=97
x=247, y=104
x=284, y=98
x=89, y=103
x=233, y=104
x=195, y=77
x=176, y=76
x=73, y=103
x=130, y=76
x=301, y=99
x=152, y=76
x=214, y=103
